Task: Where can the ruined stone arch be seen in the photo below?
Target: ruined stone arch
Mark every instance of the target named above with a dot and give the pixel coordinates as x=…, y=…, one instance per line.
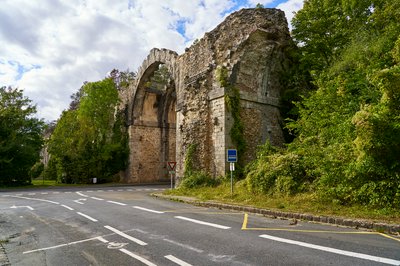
x=152, y=120
x=252, y=45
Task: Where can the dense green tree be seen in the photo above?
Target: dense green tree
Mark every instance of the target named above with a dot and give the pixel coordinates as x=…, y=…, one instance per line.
x=90, y=141
x=20, y=137
x=347, y=144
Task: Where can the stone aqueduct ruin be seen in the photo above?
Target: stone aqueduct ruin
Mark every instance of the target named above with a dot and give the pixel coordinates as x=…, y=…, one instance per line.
x=251, y=45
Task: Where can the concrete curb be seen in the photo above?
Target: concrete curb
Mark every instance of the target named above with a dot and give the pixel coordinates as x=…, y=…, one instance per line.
x=379, y=227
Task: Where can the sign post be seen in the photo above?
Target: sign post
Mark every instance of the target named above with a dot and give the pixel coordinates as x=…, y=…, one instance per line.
x=171, y=168
x=231, y=155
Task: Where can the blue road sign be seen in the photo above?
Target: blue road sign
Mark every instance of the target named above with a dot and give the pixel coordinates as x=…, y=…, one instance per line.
x=231, y=155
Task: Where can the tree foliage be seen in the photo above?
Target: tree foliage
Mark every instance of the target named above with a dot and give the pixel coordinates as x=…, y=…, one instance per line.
x=90, y=141
x=347, y=144
x=20, y=137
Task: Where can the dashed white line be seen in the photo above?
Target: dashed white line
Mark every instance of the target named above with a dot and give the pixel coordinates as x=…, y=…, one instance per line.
x=87, y=216
x=67, y=207
x=68, y=192
x=131, y=238
x=89, y=191
x=44, y=193
x=95, y=198
x=32, y=194
x=129, y=190
x=177, y=261
x=333, y=250
x=83, y=195
x=116, y=202
x=202, y=222
x=133, y=255
x=102, y=239
x=100, y=190
x=120, y=190
x=147, y=210
x=56, y=192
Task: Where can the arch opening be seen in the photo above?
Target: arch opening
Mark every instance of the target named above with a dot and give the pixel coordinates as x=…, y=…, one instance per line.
x=153, y=129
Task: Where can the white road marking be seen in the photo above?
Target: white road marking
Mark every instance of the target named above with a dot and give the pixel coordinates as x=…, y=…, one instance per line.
x=68, y=192
x=120, y=190
x=29, y=207
x=89, y=191
x=116, y=202
x=116, y=245
x=100, y=190
x=87, y=216
x=131, y=238
x=110, y=190
x=68, y=244
x=333, y=250
x=49, y=201
x=129, y=190
x=147, y=210
x=56, y=192
x=44, y=193
x=183, y=245
x=81, y=194
x=79, y=201
x=203, y=223
x=102, y=239
x=67, y=207
x=177, y=261
x=95, y=198
x=31, y=194
x=133, y=255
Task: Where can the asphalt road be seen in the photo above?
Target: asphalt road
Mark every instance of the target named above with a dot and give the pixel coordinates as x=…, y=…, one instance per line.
x=125, y=226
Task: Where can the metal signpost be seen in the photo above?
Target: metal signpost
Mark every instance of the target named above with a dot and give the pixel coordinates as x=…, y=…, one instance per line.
x=231, y=155
x=171, y=168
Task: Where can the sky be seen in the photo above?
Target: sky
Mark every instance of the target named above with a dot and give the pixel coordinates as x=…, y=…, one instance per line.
x=49, y=48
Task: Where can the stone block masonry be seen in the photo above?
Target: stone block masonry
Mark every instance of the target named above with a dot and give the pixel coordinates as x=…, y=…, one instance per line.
x=251, y=44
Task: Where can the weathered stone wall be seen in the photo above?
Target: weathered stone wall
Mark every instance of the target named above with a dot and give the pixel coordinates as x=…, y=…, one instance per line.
x=251, y=44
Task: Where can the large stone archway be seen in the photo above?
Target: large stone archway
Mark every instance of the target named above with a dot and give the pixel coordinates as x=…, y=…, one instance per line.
x=251, y=45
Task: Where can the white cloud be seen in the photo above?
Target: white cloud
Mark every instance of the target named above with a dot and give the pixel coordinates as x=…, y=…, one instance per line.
x=289, y=8
x=49, y=48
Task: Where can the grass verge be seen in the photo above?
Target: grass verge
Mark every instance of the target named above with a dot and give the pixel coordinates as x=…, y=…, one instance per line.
x=302, y=203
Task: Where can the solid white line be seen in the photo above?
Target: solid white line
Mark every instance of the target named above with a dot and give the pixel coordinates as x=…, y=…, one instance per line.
x=83, y=195
x=49, y=201
x=133, y=255
x=67, y=207
x=334, y=250
x=203, y=223
x=95, y=198
x=63, y=245
x=115, y=202
x=177, y=261
x=147, y=210
x=131, y=238
x=87, y=216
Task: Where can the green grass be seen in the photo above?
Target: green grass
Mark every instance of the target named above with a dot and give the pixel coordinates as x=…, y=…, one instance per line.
x=303, y=203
